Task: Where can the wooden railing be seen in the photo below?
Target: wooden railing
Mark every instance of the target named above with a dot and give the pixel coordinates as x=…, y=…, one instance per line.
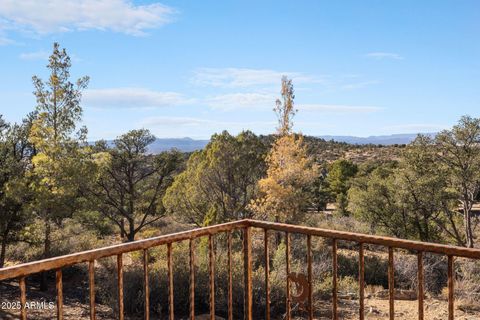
x=23, y=270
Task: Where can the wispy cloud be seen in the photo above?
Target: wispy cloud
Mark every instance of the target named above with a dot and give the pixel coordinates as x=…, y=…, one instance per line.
x=200, y=127
x=37, y=55
x=358, y=85
x=242, y=78
x=52, y=16
x=233, y=101
x=334, y=108
x=5, y=41
x=132, y=98
x=384, y=55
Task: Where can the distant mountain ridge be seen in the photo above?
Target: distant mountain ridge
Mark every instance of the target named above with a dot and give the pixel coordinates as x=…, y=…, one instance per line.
x=182, y=144
x=401, y=138
x=189, y=145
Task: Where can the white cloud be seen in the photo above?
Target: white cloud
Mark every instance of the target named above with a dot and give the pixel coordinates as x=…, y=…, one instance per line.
x=384, y=55
x=37, y=55
x=335, y=108
x=201, y=128
x=358, y=85
x=51, y=16
x=132, y=98
x=5, y=41
x=241, y=100
x=242, y=78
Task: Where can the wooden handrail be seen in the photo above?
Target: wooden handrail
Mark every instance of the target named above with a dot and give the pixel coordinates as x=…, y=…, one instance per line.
x=29, y=268
x=247, y=226
x=370, y=239
x=26, y=269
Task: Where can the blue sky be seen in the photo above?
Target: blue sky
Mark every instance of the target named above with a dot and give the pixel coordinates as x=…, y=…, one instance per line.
x=192, y=68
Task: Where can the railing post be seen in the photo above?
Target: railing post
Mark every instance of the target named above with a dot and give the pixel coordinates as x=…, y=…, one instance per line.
x=211, y=268
x=451, y=284
x=287, y=269
x=247, y=258
x=59, y=286
x=171, y=311
x=420, y=282
x=334, y=280
x=192, y=279
x=120, y=286
x=23, y=299
x=391, y=284
x=267, y=274
x=230, y=277
x=91, y=284
x=146, y=285
x=361, y=280
x=310, y=280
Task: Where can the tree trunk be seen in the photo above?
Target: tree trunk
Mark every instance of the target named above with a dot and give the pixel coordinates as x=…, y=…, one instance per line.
x=46, y=254
x=123, y=234
x=131, y=230
x=468, y=224
x=3, y=250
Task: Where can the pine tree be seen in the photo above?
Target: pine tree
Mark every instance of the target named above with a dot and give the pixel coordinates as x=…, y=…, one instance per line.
x=284, y=191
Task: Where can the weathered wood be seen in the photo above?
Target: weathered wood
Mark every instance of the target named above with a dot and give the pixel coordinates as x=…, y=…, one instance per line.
x=370, y=239
x=59, y=286
x=25, y=269
x=146, y=286
x=287, y=271
x=230, y=277
x=334, y=279
x=120, y=286
x=192, y=279
x=211, y=270
x=247, y=258
x=361, y=281
x=171, y=310
x=420, y=282
x=267, y=274
x=57, y=263
x=310, y=280
x=91, y=285
x=451, y=289
x=23, y=299
x=391, y=284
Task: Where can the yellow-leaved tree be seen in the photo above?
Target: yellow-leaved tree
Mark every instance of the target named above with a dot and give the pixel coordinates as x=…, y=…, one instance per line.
x=284, y=195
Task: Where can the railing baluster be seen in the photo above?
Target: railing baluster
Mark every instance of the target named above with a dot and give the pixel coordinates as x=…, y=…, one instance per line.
x=451, y=296
x=391, y=284
x=287, y=266
x=59, y=285
x=361, y=280
x=146, y=284
x=22, y=271
x=171, y=311
x=267, y=274
x=192, y=280
x=212, y=276
x=420, y=283
x=247, y=265
x=230, y=276
x=309, y=271
x=23, y=299
x=91, y=285
x=334, y=279
x=120, y=285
